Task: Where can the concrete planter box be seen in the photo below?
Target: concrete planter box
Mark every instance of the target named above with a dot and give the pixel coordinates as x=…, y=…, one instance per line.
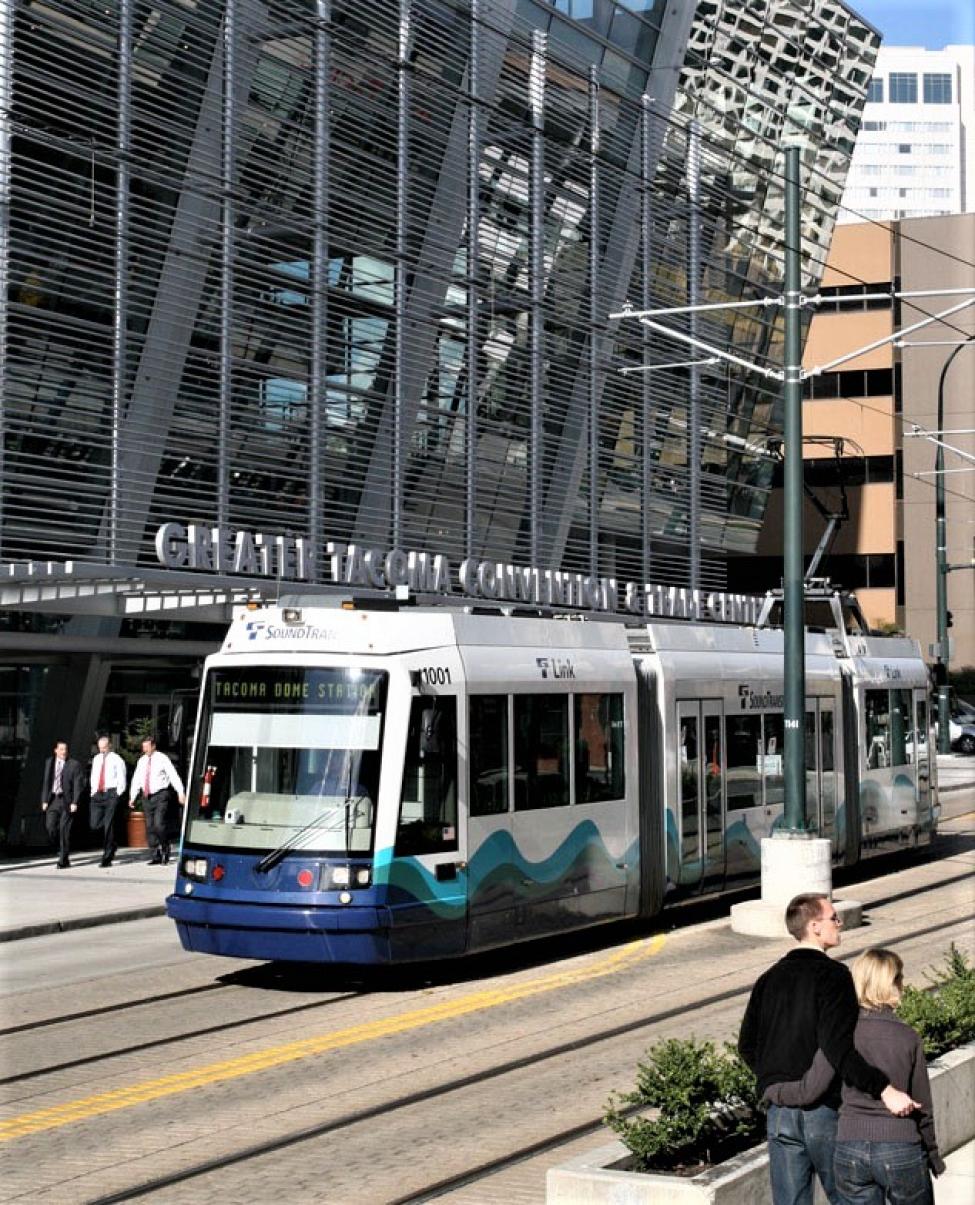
x=604, y=1176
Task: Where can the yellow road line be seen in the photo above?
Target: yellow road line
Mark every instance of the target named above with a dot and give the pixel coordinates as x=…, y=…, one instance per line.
x=276, y=1056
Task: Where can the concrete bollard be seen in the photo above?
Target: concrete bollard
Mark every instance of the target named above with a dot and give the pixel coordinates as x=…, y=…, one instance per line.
x=792, y=864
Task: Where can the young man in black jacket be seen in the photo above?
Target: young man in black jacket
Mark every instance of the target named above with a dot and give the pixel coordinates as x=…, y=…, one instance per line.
x=803, y=1003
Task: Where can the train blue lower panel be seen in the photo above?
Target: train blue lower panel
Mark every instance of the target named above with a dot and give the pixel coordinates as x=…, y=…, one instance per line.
x=407, y=913
x=288, y=934
x=356, y=935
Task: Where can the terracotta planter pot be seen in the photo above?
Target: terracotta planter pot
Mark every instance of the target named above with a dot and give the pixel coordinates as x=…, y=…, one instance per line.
x=135, y=831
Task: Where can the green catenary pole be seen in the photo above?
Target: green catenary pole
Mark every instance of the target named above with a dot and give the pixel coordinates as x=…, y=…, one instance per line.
x=794, y=668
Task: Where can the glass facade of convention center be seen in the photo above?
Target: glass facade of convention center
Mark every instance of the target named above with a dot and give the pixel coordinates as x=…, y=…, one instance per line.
x=344, y=270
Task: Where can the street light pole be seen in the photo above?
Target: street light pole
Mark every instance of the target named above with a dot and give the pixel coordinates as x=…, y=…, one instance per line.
x=941, y=571
x=794, y=818
x=794, y=860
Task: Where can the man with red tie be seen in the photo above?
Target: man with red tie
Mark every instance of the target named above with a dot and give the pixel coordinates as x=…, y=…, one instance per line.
x=60, y=793
x=154, y=775
x=107, y=788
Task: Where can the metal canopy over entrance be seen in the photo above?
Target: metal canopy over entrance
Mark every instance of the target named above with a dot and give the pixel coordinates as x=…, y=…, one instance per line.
x=85, y=588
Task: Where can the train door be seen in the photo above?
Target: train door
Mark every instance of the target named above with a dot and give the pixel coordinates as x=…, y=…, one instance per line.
x=492, y=898
x=811, y=761
x=827, y=771
x=702, y=806
x=429, y=913
x=747, y=822
x=820, y=768
x=920, y=748
x=849, y=833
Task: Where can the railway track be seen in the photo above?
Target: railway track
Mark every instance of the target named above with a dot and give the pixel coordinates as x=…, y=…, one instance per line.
x=689, y=911
x=519, y=1068
x=444, y=1090
x=221, y=1028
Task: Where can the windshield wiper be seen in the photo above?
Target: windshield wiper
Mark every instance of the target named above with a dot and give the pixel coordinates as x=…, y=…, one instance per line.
x=269, y=861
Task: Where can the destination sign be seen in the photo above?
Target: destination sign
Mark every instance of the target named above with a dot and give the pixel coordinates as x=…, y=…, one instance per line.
x=287, y=688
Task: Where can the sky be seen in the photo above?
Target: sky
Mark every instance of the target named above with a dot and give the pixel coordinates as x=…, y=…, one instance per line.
x=929, y=23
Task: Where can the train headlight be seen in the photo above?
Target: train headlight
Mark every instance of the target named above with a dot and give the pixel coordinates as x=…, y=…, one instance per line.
x=195, y=868
x=350, y=876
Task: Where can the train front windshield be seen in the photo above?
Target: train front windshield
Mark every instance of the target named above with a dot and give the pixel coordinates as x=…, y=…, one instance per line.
x=288, y=757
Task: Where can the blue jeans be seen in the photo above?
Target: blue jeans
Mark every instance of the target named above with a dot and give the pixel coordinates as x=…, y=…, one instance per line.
x=868, y=1173
x=800, y=1142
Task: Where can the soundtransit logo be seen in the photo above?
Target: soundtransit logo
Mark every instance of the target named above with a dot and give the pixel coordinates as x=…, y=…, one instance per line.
x=259, y=629
x=764, y=701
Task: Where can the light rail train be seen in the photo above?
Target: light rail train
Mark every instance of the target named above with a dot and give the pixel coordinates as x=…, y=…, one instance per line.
x=375, y=786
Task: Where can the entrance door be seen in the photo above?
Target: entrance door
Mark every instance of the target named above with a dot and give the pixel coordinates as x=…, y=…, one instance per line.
x=702, y=802
x=144, y=713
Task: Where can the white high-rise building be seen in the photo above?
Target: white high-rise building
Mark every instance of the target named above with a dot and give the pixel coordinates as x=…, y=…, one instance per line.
x=915, y=153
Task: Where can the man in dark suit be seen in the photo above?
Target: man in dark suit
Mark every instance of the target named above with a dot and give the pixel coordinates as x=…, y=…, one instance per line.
x=60, y=796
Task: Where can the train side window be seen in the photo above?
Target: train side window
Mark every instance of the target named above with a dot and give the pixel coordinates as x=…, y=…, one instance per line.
x=428, y=807
x=827, y=765
x=713, y=785
x=743, y=751
x=599, y=747
x=541, y=751
x=774, y=725
x=921, y=731
x=826, y=741
x=489, y=754
x=689, y=777
x=877, y=715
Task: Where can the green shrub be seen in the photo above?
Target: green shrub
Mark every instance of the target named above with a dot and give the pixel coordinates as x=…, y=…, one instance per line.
x=943, y=1014
x=699, y=1104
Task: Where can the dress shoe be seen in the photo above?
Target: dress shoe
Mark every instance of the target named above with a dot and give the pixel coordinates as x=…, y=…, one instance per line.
x=63, y=864
x=156, y=859
x=105, y=862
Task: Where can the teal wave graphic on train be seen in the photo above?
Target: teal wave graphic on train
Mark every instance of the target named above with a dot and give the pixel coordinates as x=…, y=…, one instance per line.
x=499, y=869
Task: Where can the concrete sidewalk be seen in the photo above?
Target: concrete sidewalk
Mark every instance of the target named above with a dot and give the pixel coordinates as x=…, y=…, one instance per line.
x=36, y=898
x=957, y=1185
x=955, y=771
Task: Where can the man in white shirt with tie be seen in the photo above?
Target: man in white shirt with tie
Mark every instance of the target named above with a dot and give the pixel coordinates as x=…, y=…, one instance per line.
x=154, y=775
x=108, y=777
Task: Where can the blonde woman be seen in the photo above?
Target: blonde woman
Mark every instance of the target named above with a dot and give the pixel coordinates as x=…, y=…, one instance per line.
x=878, y=1157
